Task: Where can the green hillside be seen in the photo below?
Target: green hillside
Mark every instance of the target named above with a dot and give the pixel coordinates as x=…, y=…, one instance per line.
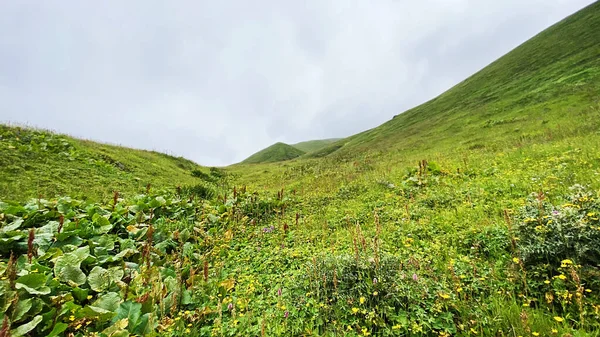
x=314, y=145
x=531, y=93
x=474, y=214
x=274, y=153
x=37, y=162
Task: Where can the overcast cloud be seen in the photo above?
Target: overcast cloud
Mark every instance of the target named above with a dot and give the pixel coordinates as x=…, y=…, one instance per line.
x=216, y=81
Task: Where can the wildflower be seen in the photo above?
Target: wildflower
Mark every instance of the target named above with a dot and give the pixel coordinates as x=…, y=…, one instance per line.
x=562, y=277
x=473, y=331
x=547, y=282
x=71, y=318
x=396, y=327
x=554, y=331
x=516, y=260
x=525, y=304
x=187, y=312
x=558, y=319
x=555, y=212
x=415, y=277
x=375, y=293
x=286, y=314
x=355, y=310
x=535, y=333
x=230, y=306
x=187, y=330
x=78, y=327
x=89, y=297
x=444, y=296
x=279, y=292
x=588, y=290
x=349, y=328
x=459, y=290
x=283, y=307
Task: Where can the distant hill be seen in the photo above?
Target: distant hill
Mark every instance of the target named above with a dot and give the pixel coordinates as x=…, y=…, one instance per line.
x=37, y=162
x=539, y=89
x=274, y=153
x=314, y=145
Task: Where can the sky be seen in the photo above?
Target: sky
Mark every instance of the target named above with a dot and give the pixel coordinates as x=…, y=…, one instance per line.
x=215, y=81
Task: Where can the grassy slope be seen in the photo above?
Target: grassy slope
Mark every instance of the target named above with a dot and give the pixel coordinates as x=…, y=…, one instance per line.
x=536, y=88
x=274, y=153
x=34, y=162
x=314, y=145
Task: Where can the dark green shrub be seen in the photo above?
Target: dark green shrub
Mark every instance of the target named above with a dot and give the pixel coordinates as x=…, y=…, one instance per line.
x=548, y=234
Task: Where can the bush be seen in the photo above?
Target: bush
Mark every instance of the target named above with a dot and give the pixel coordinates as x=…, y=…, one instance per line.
x=200, y=191
x=549, y=234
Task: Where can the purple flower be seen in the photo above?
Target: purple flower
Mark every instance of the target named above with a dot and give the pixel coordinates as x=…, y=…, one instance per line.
x=415, y=277
x=279, y=292
x=555, y=212
x=287, y=313
x=375, y=280
x=230, y=306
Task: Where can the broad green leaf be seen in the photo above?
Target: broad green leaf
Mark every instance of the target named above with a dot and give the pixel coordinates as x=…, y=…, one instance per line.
x=72, y=275
x=131, y=311
x=99, y=279
x=13, y=226
x=20, y=309
x=67, y=266
x=25, y=328
x=116, y=329
x=33, y=284
x=59, y=328
x=143, y=327
x=108, y=301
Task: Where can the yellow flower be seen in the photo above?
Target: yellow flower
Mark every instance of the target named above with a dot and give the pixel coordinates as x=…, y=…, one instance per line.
x=188, y=330
x=459, y=290
x=349, y=328
x=283, y=307
x=375, y=293
x=515, y=259
x=362, y=300
x=525, y=304
x=558, y=319
x=588, y=290
x=473, y=331
x=535, y=333
x=355, y=310
x=567, y=261
x=444, y=296
x=72, y=318
x=89, y=297
x=547, y=282
x=396, y=327
x=78, y=327
x=554, y=331
x=562, y=277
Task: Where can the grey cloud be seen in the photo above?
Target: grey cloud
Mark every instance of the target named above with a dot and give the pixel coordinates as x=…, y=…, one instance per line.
x=217, y=81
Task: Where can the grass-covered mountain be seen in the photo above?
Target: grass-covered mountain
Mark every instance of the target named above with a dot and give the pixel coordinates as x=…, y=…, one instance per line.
x=274, y=153
x=40, y=163
x=475, y=214
x=314, y=145
x=536, y=88
x=279, y=152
